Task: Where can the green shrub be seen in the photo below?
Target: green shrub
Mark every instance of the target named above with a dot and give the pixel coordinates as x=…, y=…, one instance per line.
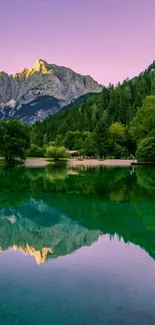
x=14, y=140
x=146, y=150
x=35, y=151
x=119, y=151
x=56, y=153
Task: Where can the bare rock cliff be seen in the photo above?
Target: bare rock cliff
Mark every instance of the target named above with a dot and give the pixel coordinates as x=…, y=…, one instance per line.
x=24, y=90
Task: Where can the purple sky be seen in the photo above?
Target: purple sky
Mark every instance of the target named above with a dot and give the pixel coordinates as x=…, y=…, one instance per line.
x=108, y=39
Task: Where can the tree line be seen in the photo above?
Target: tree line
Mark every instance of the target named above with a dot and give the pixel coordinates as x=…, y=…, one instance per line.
x=115, y=123
x=109, y=124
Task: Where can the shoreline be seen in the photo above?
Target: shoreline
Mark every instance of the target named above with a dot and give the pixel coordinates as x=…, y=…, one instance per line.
x=37, y=162
x=96, y=162
x=42, y=162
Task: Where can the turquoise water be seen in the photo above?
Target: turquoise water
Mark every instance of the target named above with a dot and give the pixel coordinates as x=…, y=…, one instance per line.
x=77, y=246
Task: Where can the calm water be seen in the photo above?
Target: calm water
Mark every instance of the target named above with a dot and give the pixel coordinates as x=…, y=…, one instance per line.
x=77, y=246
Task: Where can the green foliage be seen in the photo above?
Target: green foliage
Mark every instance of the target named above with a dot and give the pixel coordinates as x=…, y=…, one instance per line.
x=35, y=151
x=146, y=150
x=59, y=140
x=117, y=141
x=117, y=151
x=117, y=132
x=119, y=102
x=100, y=138
x=143, y=124
x=73, y=140
x=89, y=148
x=56, y=153
x=14, y=140
x=50, y=144
x=118, y=118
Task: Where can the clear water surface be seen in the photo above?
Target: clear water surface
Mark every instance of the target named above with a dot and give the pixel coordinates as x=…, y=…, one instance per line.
x=77, y=246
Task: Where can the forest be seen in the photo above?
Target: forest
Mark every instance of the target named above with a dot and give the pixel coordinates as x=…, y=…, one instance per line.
x=116, y=123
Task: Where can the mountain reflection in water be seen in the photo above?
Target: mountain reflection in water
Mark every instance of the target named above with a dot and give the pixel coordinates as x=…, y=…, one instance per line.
x=53, y=211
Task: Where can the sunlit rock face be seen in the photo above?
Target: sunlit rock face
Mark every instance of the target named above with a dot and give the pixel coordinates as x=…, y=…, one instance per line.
x=22, y=94
x=39, y=255
x=63, y=237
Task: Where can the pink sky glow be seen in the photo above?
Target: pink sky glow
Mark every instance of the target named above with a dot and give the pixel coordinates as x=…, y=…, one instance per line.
x=107, y=39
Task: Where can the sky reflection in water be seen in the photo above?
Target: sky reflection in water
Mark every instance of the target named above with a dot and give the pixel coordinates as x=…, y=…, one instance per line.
x=95, y=235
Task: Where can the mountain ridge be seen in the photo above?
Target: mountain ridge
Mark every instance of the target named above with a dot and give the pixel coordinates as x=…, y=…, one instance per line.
x=43, y=79
x=118, y=103
x=61, y=238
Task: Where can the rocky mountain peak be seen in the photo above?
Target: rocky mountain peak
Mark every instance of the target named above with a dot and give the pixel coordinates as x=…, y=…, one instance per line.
x=42, y=90
x=39, y=255
x=41, y=66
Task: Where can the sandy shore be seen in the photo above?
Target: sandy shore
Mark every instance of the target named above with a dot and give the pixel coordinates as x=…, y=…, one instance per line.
x=41, y=162
x=95, y=162
x=37, y=162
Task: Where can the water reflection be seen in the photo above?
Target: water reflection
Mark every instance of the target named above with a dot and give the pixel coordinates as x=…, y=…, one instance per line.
x=61, y=237
x=53, y=211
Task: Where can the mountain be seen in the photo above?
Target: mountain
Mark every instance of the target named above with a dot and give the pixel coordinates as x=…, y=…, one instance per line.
x=42, y=90
x=58, y=239
x=52, y=212
x=113, y=104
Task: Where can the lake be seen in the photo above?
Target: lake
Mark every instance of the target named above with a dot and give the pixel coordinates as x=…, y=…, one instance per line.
x=77, y=246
